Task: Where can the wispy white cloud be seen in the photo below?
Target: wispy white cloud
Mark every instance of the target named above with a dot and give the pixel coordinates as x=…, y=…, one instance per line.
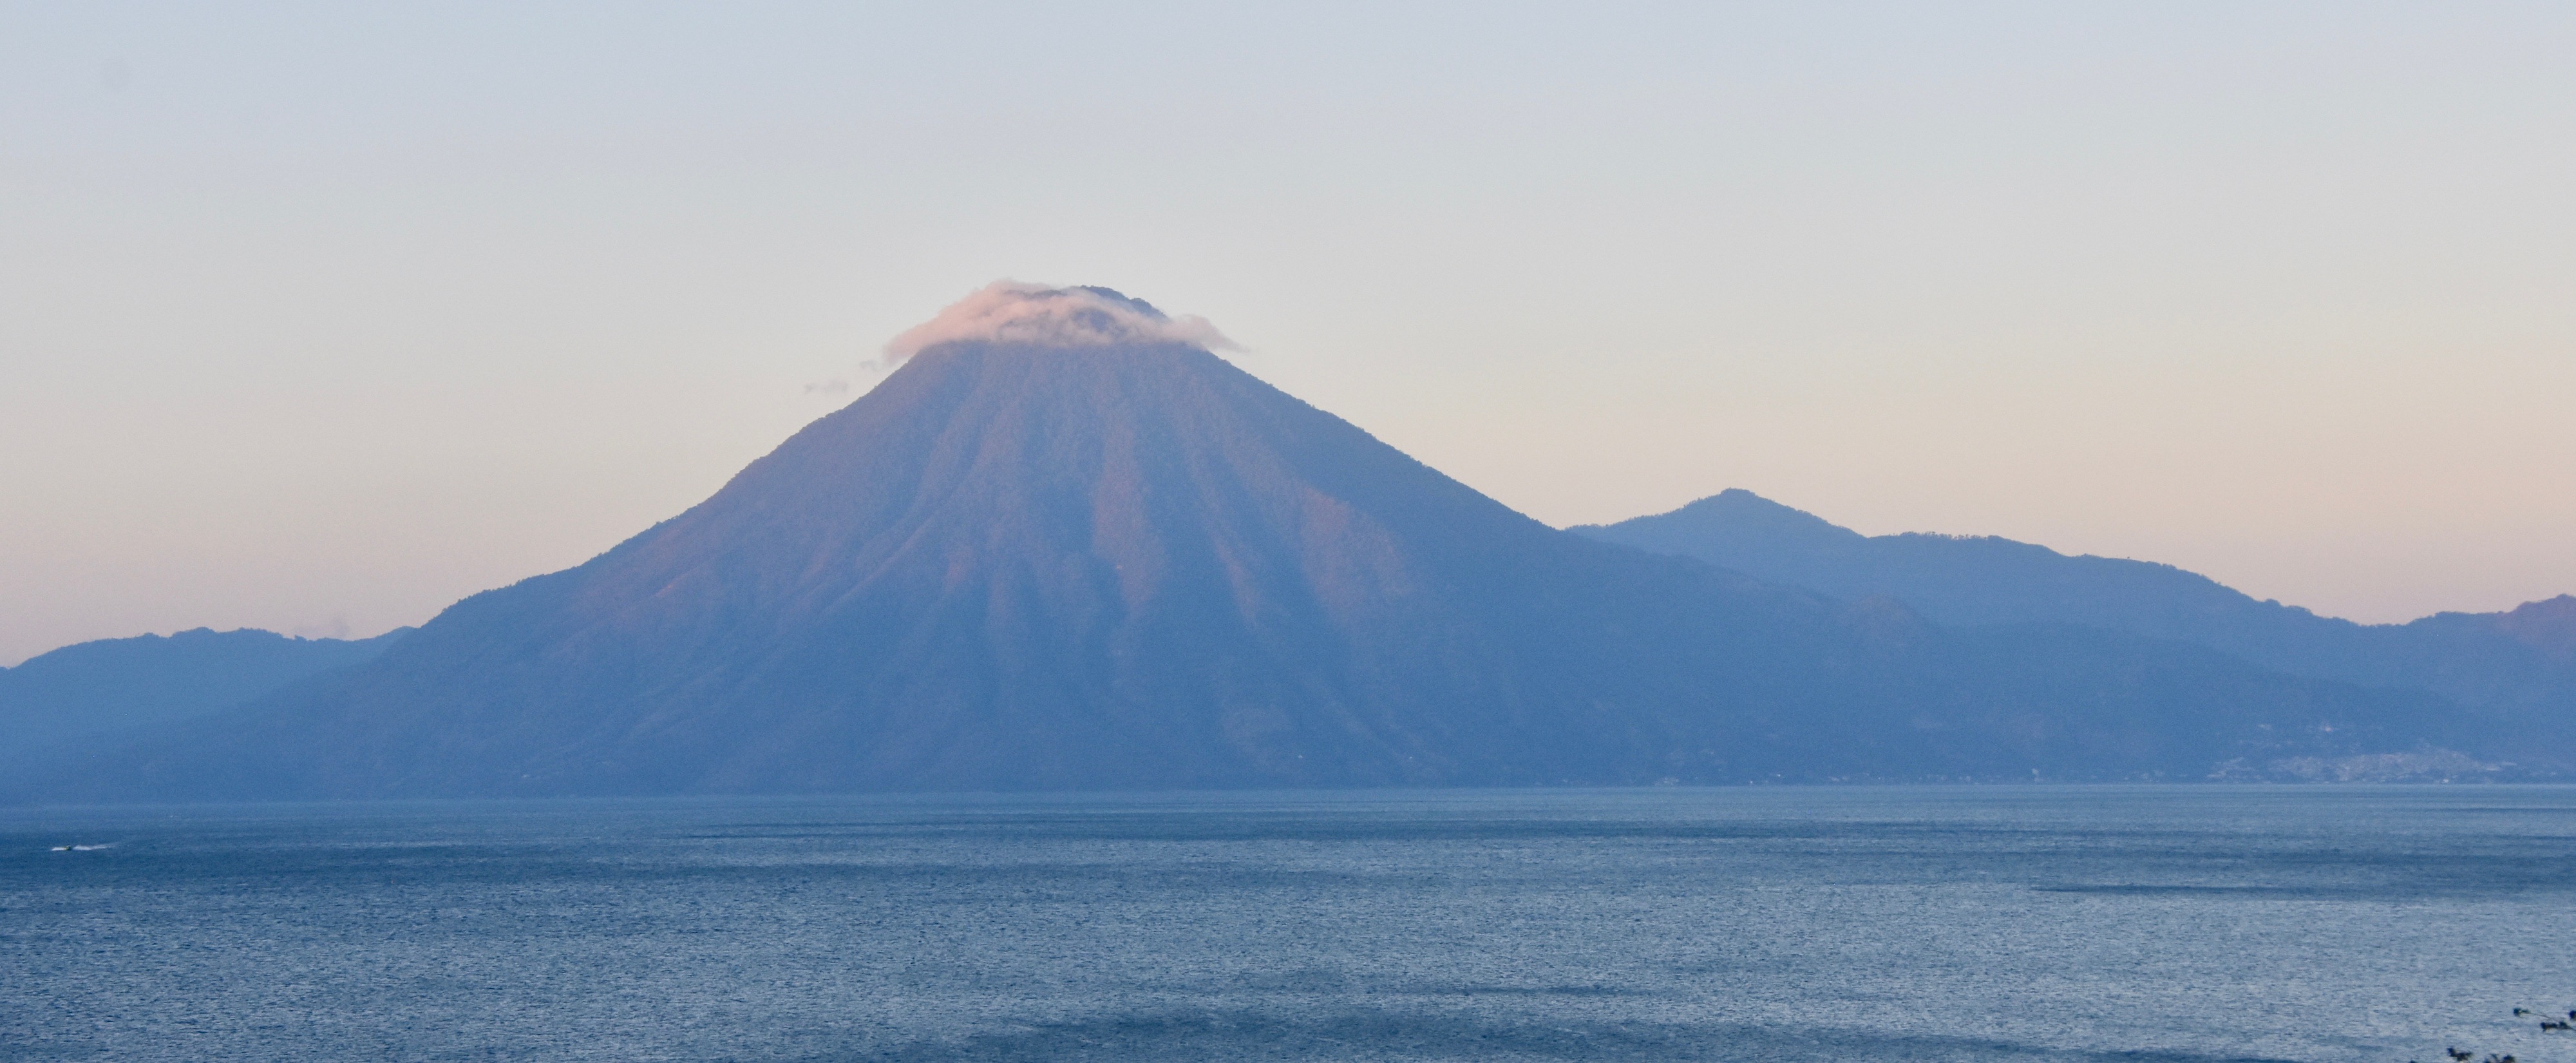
x=1014, y=312
x=335, y=628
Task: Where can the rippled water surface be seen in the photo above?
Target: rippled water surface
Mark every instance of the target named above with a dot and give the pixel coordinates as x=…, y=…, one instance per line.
x=2177, y=923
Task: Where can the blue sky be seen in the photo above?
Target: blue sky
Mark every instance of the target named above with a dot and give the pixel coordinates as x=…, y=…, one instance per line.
x=320, y=317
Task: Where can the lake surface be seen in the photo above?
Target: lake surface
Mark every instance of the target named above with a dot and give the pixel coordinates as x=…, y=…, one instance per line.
x=2038, y=923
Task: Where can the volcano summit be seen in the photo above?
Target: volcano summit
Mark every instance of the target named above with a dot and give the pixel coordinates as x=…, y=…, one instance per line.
x=1066, y=546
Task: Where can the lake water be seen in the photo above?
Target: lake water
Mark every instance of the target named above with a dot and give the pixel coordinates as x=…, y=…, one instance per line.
x=2039, y=923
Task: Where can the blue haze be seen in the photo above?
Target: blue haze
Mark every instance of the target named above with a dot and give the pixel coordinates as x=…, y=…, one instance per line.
x=1790, y=923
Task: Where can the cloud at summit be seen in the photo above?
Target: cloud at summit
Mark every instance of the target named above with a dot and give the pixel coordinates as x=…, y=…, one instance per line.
x=1007, y=311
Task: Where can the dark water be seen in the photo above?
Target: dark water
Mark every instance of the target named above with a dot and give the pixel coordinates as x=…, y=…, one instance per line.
x=1758, y=924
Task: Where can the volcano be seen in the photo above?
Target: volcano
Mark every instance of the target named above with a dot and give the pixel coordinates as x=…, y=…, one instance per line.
x=1020, y=564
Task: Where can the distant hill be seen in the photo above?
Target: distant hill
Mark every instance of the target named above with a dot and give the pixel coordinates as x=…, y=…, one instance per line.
x=111, y=685
x=2521, y=663
x=1015, y=566
x=2549, y=627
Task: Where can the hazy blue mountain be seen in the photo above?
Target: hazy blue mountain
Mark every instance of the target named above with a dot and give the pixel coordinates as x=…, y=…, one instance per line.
x=97, y=688
x=1013, y=567
x=2523, y=660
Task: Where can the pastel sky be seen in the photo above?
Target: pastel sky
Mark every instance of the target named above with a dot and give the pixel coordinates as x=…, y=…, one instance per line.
x=317, y=318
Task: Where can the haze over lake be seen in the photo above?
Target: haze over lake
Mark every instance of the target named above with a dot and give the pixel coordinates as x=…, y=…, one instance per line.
x=816, y=533
x=1810, y=923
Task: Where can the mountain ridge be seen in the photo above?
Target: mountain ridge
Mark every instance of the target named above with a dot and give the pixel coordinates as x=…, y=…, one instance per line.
x=105, y=686
x=2523, y=660
x=1134, y=565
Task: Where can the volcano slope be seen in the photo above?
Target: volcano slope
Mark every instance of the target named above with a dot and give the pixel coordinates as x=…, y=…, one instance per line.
x=1013, y=566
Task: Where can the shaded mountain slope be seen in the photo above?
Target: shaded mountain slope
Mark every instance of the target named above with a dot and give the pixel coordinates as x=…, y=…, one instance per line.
x=2520, y=663
x=109, y=685
x=1014, y=567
